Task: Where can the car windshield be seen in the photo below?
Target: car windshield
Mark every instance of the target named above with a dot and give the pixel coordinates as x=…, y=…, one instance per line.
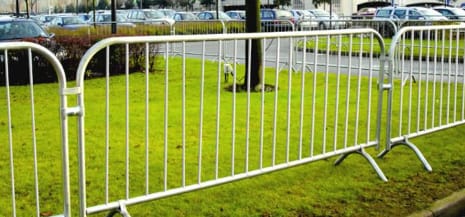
x=305, y=13
x=168, y=13
x=321, y=13
x=383, y=13
x=107, y=18
x=223, y=16
x=189, y=16
x=241, y=14
x=20, y=29
x=458, y=11
x=429, y=12
x=72, y=20
x=154, y=14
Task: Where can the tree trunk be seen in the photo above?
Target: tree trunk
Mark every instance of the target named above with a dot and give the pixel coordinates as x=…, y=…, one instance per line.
x=254, y=56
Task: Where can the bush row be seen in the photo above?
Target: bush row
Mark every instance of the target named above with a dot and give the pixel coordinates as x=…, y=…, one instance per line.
x=69, y=47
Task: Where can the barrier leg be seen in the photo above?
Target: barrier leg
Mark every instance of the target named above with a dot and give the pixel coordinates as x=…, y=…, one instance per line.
x=369, y=159
x=411, y=146
x=122, y=211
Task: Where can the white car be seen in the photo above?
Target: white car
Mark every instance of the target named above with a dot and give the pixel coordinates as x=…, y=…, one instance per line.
x=304, y=20
x=451, y=13
x=327, y=20
x=408, y=13
x=150, y=16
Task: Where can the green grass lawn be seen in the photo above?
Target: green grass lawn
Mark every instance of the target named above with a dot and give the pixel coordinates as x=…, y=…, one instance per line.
x=439, y=45
x=315, y=189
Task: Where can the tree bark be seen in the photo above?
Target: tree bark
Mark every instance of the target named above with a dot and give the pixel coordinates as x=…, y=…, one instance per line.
x=253, y=49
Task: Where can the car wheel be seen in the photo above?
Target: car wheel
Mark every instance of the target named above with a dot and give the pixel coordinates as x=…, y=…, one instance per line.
x=321, y=26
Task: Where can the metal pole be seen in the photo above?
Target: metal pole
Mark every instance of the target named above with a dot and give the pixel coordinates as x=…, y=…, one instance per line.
x=27, y=9
x=93, y=12
x=17, y=8
x=113, y=17
x=217, y=9
x=330, y=14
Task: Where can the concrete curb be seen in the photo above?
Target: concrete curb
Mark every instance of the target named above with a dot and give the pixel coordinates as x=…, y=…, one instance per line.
x=452, y=206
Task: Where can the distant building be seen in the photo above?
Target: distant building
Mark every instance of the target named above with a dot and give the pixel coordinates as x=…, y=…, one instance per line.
x=38, y=6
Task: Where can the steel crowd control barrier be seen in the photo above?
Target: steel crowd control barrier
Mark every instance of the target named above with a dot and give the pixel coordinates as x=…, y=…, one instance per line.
x=192, y=131
x=426, y=91
x=176, y=127
x=30, y=187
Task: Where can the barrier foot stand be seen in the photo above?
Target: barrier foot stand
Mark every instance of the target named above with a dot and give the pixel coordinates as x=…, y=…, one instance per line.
x=369, y=159
x=415, y=149
x=121, y=210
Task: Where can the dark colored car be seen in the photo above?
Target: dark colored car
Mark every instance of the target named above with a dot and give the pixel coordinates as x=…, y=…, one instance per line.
x=276, y=20
x=19, y=29
x=211, y=15
x=236, y=14
x=12, y=29
x=68, y=22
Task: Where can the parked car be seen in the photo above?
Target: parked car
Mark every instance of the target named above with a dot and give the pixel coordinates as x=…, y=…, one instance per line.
x=211, y=15
x=304, y=20
x=68, y=22
x=403, y=16
x=21, y=29
x=276, y=20
x=167, y=12
x=45, y=18
x=408, y=13
x=236, y=14
x=327, y=20
x=364, y=13
x=12, y=29
x=451, y=13
x=184, y=16
x=149, y=16
x=105, y=19
x=84, y=16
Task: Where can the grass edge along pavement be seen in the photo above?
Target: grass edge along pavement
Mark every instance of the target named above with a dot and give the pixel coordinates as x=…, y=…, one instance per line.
x=453, y=205
x=365, y=48
x=316, y=189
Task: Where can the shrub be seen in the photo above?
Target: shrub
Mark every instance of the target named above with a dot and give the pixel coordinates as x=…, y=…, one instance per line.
x=70, y=46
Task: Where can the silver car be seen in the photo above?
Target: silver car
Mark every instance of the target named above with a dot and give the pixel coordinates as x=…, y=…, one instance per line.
x=327, y=20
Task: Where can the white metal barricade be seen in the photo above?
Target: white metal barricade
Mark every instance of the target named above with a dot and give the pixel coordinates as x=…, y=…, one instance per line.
x=426, y=91
x=174, y=126
x=31, y=179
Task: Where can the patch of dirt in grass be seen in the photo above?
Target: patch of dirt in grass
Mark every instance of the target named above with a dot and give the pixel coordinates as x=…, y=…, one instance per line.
x=243, y=88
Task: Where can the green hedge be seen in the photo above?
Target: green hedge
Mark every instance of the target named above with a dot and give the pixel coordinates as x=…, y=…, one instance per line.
x=70, y=46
